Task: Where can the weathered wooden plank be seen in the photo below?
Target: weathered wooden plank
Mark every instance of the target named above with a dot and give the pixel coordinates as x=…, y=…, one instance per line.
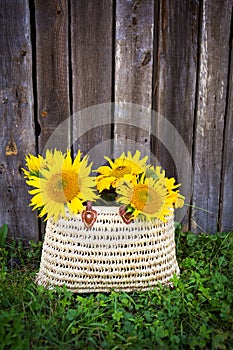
x=133, y=73
x=52, y=68
x=17, y=136
x=212, y=87
x=52, y=76
x=226, y=217
x=174, y=89
x=91, y=48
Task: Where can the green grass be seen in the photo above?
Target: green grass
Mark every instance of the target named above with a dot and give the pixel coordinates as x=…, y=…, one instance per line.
x=195, y=314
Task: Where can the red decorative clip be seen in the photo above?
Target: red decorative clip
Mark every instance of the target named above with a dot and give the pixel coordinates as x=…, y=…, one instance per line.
x=126, y=217
x=89, y=216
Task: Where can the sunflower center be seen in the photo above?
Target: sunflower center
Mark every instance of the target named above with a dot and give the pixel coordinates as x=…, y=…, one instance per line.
x=120, y=171
x=63, y=187
x=146, y=199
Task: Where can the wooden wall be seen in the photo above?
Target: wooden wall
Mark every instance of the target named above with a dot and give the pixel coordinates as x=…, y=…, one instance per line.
x=59, y=57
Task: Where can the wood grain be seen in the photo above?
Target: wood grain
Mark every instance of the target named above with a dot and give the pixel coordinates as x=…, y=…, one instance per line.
x=91, y=47
x=211, y=104
x=174, y=89
x=133, y=73
x=17, y=136
x=52, y=70
x=226, y=217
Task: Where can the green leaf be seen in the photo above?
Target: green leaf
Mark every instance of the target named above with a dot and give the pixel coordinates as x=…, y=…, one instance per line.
x=71, y=314
x=3, y=235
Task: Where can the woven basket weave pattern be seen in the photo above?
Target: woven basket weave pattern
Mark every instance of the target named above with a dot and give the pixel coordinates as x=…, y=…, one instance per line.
x=110, y=255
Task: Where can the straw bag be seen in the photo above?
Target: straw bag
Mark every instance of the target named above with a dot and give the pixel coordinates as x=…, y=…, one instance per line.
x=110, y=255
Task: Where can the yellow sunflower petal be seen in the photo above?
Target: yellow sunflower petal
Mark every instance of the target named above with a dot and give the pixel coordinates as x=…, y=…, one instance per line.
x=106, y=170
x=75, y=206
x=179, y=201
x=110, y=161
x=77, y=160
x=103, y=183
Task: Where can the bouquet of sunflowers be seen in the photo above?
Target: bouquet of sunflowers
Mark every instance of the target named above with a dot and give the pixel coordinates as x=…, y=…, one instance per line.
x=60, y=184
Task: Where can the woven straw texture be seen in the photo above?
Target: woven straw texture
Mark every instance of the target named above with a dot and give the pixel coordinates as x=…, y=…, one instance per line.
x=110, y=255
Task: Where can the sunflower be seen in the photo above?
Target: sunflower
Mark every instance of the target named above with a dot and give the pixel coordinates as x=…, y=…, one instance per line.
x=126, y=167
x=62, y=183
x=150, y=197
x=146, y=197
x=33, y=164
x=36, y=163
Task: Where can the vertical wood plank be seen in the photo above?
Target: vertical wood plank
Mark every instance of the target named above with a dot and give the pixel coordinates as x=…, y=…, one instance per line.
x=91, y=46
x=52, y=67
x=212, y=87
x=133, y=72
x=174, y=88
x=226, y=217
x=17, y=136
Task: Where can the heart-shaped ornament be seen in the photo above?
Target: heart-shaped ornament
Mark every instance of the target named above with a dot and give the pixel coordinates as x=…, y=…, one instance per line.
x=89, y=217
x=126, y=217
